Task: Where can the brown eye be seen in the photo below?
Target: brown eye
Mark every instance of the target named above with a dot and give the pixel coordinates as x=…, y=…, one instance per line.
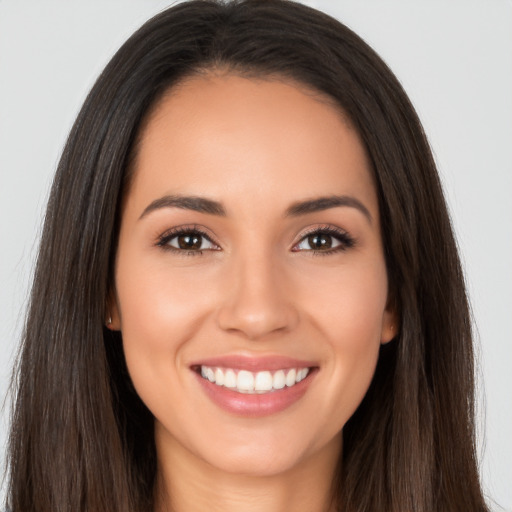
x=326, y=240
x=189, y=242
x=319, y=241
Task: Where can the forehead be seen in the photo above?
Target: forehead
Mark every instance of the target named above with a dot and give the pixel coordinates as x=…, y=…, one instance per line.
x=269, y=138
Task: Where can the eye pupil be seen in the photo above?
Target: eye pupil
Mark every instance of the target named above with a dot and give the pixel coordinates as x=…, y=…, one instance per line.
x=189, y=242
x=320, y=241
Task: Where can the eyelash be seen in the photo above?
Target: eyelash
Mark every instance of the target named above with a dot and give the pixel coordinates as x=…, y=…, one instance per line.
x=165, y=238
x=344, y=239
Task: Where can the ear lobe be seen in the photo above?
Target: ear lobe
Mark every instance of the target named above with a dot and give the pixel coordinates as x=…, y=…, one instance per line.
x=112, y=318
x=389, y=325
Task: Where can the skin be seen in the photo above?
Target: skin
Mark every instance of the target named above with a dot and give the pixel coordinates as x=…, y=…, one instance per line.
x=257, y=147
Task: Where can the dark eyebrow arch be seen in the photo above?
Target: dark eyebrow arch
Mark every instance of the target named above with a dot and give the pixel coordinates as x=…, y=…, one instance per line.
x=197, y=204
x=324, y=203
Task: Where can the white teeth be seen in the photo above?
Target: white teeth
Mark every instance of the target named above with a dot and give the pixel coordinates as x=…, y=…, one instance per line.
x=263, y=381
x=290, y=378
x=219, y=377
x=210, y=374
x=301, y=374
x=279, y=380
x=229, y=379
x=244, y=381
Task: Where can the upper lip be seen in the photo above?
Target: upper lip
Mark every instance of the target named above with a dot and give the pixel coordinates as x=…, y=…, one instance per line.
x=254, y=363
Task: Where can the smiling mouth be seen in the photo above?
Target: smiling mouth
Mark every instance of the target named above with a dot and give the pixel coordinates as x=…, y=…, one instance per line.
x=247, y=382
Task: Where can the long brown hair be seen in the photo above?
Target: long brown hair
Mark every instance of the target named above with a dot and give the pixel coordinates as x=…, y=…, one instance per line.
x=82, y=440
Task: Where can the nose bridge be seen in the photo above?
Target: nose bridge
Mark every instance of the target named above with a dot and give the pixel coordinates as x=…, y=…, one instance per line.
x=257, y=300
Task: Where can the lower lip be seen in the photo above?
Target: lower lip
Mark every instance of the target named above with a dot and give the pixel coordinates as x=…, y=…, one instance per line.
x=255, y=405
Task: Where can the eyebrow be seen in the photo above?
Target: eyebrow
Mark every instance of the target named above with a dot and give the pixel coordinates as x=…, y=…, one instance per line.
x=197, y=204
x=211, y=207
x=324, y=203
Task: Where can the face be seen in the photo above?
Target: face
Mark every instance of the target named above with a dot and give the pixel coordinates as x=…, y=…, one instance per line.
x=251, y=288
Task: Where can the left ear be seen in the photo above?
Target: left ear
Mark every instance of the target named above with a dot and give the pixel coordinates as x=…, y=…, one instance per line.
x=390, y=321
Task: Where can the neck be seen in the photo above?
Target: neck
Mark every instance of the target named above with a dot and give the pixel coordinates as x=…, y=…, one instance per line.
x=186, y=483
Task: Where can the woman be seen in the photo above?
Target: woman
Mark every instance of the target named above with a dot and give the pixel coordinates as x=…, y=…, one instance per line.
x=248, y=293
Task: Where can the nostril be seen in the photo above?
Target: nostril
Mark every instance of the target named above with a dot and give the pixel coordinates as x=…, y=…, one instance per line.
x=256, y=319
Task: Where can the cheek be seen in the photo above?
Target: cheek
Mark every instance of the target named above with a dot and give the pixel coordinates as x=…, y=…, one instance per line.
x=160, y=308
x=347, y=303
x=156, y=317
x=348, y=313
x=159, y=303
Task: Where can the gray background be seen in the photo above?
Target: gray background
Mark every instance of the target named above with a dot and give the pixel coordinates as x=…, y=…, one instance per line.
x=453, y=57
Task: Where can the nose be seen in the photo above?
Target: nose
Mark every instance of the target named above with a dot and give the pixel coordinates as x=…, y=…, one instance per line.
x=258, y=300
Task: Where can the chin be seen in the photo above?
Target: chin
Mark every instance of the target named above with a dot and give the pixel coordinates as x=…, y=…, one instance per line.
x=274, y=457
